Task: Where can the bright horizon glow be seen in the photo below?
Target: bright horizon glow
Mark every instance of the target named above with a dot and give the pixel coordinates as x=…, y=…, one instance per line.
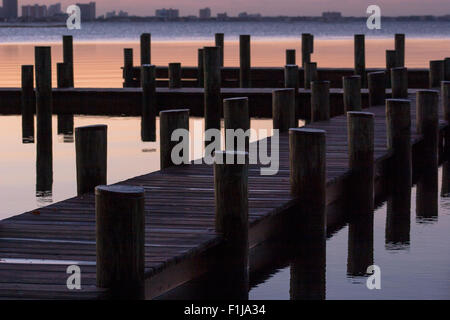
x=264, y=7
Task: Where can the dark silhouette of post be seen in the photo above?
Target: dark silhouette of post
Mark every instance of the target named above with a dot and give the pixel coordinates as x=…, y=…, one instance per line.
x=149, y=103
x=175, y=75
x=65, y=119
x=28, y=104
x=290, y=56
x=447, y=69
x=145, y=48
x=352, y=93
x=169, y=121
x=436, y=73
x=399, y=80
x=391, y=62
x=360, y=58
x=320, y=100
x=400, y=49
x=445, y=92
x=231, y=220
x=91, y=157
x=283, y=109
x=127, y=67
x=307, y=158
x=68, y=58
x=200, y=70
x=360, y=128
x=307, y=48
x=44, y=105
x=398, y=126
x=213, y=99
x=428, y=126
x=120, y=240
x=291, y=81
x=244, y=60
x=219, y=40
x=310, y=73
x=236, y=117
x=377, y=88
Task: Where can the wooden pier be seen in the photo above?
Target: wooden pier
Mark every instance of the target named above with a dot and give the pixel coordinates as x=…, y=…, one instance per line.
x=180, y=239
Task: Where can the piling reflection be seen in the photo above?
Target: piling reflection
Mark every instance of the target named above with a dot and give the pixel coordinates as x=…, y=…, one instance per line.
x=360, y=244
x=398, y=221
x=65, y=127
x=445, y=190
x=427, y=197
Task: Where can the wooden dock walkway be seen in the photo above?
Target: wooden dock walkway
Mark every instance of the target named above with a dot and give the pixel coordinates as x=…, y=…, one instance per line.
x=37, y=246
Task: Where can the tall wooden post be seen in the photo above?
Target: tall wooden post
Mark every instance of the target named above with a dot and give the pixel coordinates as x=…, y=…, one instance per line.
x=399, y=80
x=44, y=105
x=169, y=121
x=447, y=69
x=149, y=103
x=427, y=119
x=360, y=127
x=28, y=104
x=391, y=62
x=400, y=49
x=244, y=60
x=175, y=75
x=352, y=93
x=200, y=68
x=377, y=88
x=291, y=81
x=307, y=48
x=320, y=100
x=360, y=58
x=290, y=56
x=436, y=73
x=283, y=109
x=310, y=73
x=307, y=158
x=236, y=117
x=120, y=240
x=231, y=220
x=212, y=79
x=145, y=48
x=91, y=157
x=127, y=67
x=68, y=58
x=219, y=40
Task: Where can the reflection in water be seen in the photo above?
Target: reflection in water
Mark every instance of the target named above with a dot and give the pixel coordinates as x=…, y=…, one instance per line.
x=445, y=191
x=44, y=198
x=65, y=127
x=28, y=129
x=427, y=196
x=360, y=244
x=398, y=221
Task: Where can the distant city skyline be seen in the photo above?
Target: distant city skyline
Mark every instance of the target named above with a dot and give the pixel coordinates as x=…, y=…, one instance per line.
x=264, y=7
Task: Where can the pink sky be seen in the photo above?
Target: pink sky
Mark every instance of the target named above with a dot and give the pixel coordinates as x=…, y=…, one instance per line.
x=267, y=7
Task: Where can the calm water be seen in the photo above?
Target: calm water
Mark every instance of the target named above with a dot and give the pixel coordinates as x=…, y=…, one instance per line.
x=203, y=30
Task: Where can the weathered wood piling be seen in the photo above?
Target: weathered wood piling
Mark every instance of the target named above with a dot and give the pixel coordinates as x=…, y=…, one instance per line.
x=236, y=123
x=145, y=48
x=220, y=43
x=290, y=56
x=127, y=67
x=427, y=123
x=291, y=81
x=68, y=59
x=244, y=61
x=28, y=104
x=352, y=93
x=391, y=62
x=447, y=69
x=44, y=104
x=307, y=48
x=120, y=236
x=212, y=80
x=310, y=73
x=91, y=157
x=174, y=75
x=360, y=58
x=436, y=73
x=399, y=80
x=200, y=68
x=149, y=103
x=320, y=100
x=283, y=109
x=307, y=162
x=169, y=122
x=377, y=88
x=231, y=220
x=400, y=49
